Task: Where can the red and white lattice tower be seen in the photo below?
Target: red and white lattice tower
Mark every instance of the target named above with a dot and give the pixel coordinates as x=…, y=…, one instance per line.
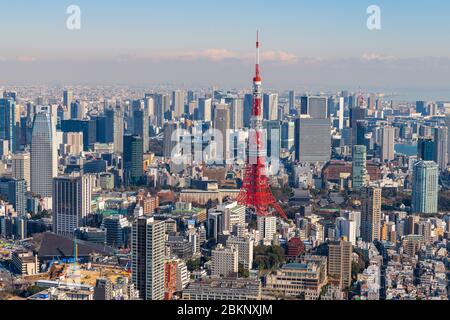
x=255, y=192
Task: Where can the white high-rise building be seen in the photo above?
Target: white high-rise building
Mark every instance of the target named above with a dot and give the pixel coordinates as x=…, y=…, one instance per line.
x=182, y=276
x=244, y=246
x=447, y=124
x=178, y=98
x=341, y=114
x=387, y=144
x=346, y=228
x=237, y=113
x=441, y=147
x=21, y=167
x=234, y=215
x=356, y=217
x=147, y=257
x=292, y=104
x=204, y=109
x=43, y=155
x=222, y=126
x=224, y=261
x=267, y=227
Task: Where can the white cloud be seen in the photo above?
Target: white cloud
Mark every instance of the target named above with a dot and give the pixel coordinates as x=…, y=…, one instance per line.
x=216, y=55
x=26, y=59
x=376, y=57
x=279, y=56
x=208, y=54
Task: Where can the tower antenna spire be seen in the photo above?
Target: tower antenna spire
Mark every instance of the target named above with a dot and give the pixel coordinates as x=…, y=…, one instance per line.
x=257, y=68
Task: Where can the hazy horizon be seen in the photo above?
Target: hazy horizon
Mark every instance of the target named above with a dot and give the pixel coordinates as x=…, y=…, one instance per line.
x=305, y=46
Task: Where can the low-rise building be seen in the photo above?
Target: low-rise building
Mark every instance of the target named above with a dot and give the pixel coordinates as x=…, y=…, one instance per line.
x=25, y=262
x=214, y=288
x=299, y=280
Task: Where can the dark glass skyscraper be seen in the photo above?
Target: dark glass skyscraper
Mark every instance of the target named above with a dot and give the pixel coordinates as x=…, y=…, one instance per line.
x=421, y=107
x=133, y=158
x=361, y=131
x=7, y=121
x=356, y=114
x=248, y=105
x=425, y=149
x=140, y=123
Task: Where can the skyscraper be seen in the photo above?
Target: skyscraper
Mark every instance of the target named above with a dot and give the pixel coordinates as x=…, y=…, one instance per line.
x=190, y=96
x=224, y=261
x=371, y=214
x=71, y=203
x=147, y=257
x=359, y=172
x=312, y=140
x=425, y=187
x=426, y=149
x=267, y=227
x=140, y=123
x=356, y=114
x=67, y=98
x=222, y=124
x=204, y=109
x=171, y=138
x=304, y=105
x=237, y=113
x=340, y=113
x=340, y=262
x=421, y=107
x=270, y=106
x=14, y=191
x=77, y=110
x=248, y=105
x=43, y=155
x=361, y=131
x=8, y=122
x=387, y=144
x=178, y=98
x=133, y=159
x=21, y=167
x=89, y=129
x=441, y=147
x=317, y=107
x=273, y=137
x=288, y=135
x=162, y=108
x=114, y=128
x=447, y=124
x=292, y=106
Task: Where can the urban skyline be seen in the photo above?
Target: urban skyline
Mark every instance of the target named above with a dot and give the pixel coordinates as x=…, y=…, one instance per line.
x=204, y=192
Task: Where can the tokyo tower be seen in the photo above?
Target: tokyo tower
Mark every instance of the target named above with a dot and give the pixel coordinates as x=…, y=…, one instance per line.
x=255, y=192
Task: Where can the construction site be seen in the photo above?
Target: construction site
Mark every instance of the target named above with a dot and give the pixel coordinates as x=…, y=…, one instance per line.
x=82, y=274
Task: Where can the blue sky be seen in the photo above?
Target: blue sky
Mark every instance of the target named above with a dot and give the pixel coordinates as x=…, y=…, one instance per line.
x=310, y=36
